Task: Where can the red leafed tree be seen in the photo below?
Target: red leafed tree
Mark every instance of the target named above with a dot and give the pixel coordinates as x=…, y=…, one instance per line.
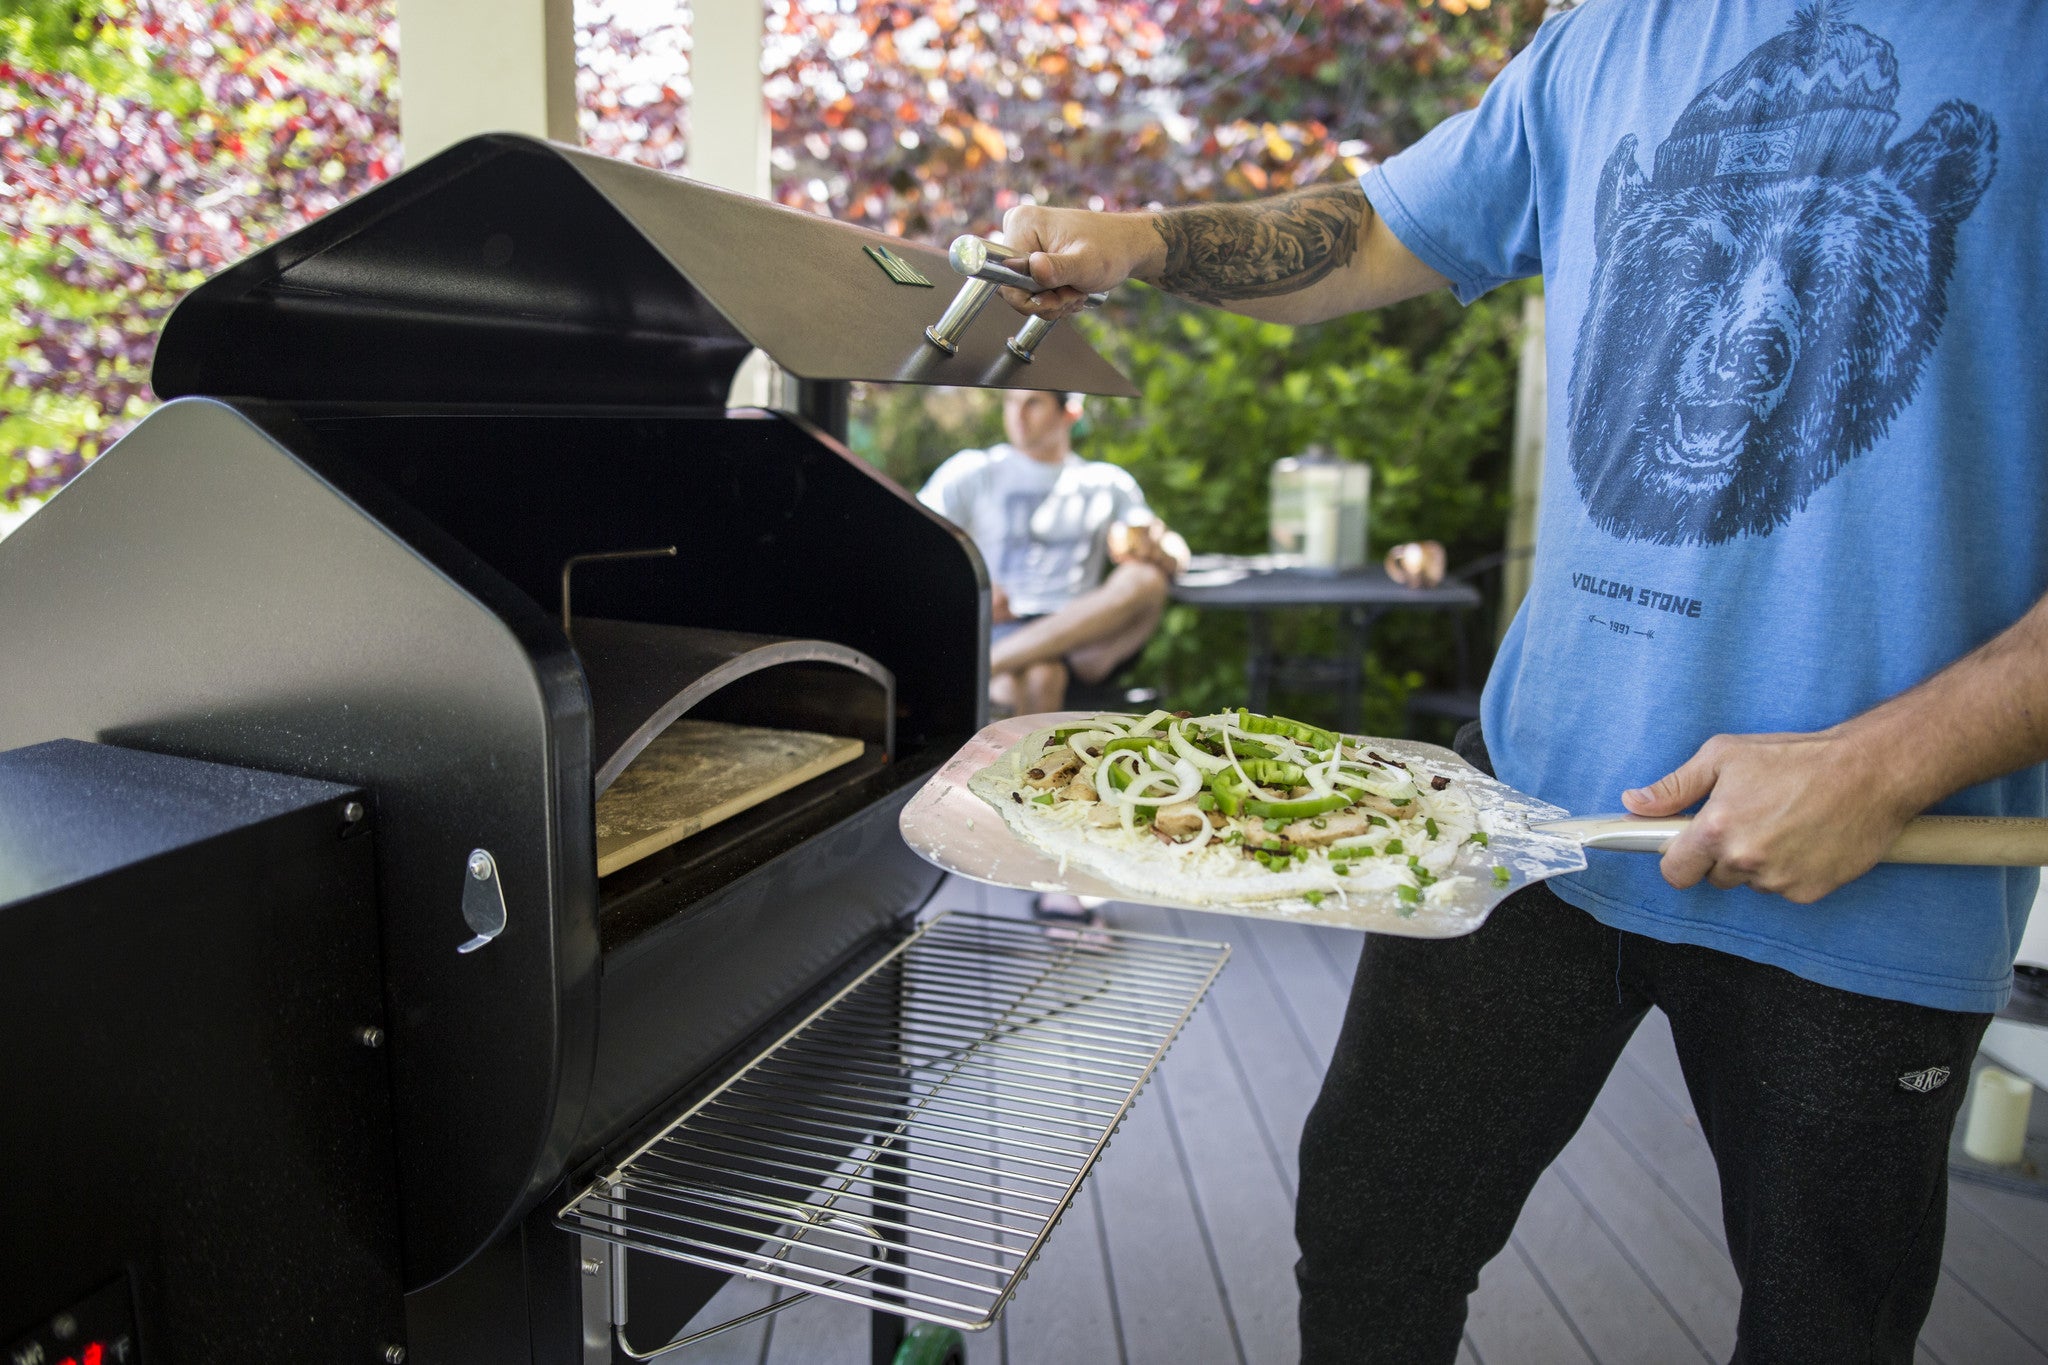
x=143, y=145
x=146, y=143
x=928, y=119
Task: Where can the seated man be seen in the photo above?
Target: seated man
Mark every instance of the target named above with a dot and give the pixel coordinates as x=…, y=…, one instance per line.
x=1049, y=523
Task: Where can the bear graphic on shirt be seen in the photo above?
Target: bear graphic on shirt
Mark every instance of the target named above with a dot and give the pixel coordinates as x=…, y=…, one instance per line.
x=1762, y=302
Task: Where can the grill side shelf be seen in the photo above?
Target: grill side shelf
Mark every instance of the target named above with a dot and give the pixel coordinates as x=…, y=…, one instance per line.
x=912, y=1143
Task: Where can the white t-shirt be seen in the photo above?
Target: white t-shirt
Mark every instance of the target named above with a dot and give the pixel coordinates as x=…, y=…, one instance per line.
x=1042, y=528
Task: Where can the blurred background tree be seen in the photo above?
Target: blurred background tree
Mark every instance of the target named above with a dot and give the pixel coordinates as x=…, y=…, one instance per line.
x=143, y=145
x=147, y=143
x=1422, y=392
x=931, y=119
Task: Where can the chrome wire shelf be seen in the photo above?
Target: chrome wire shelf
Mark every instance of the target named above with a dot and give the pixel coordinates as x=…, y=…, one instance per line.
x=912, y=1143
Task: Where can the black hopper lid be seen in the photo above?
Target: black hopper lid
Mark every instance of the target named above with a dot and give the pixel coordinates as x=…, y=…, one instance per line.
x=508, y=269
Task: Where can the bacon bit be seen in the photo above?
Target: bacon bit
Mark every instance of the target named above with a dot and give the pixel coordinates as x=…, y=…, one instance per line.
x=1437, y=784
x=1035, y=773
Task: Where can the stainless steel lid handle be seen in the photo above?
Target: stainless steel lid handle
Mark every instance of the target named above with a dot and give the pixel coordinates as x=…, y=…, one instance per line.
x=1028, y=336
x=981, y=261
x=978, y=258
x=952, y=324
x=483, y=900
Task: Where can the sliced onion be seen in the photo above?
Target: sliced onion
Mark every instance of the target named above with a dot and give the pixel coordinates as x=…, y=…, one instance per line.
x=1187, y=782
x=1391, y=783
x=1082, y=741
x=1203, y=834
x=1208, y=763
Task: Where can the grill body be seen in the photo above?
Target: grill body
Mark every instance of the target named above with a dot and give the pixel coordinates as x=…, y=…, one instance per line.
x=191, y=966
x=338, y=554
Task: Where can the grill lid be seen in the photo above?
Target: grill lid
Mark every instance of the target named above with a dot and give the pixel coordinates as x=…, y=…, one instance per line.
x=508, y=269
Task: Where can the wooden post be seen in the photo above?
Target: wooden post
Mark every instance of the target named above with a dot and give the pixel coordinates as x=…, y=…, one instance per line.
x=729, y=147
x=728, y=113
x=1525, y=470
x=480, y=66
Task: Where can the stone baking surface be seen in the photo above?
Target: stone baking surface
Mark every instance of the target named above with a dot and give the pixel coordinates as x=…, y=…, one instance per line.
x=698, y=772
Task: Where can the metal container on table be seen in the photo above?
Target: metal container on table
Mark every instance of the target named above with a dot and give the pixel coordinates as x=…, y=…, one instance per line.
x=1317, y=516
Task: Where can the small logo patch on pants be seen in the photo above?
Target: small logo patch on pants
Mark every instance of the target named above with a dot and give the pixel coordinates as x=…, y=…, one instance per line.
x=1932, y=1078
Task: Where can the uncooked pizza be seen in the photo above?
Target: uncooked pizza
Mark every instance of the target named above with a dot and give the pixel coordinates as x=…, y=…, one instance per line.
x=1240, y=808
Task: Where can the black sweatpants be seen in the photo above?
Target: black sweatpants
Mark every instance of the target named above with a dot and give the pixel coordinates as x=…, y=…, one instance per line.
x=1465, y=1065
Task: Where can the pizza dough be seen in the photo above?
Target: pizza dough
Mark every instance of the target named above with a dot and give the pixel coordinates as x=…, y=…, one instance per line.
x=1241, y=809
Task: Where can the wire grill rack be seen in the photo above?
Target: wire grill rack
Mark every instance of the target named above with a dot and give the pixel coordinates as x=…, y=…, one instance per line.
x=912, y=1143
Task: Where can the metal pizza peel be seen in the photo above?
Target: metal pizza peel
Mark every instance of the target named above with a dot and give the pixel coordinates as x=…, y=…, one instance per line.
x=951, y=827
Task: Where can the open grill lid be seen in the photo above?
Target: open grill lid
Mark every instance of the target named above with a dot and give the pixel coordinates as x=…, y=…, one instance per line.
x=508, y=269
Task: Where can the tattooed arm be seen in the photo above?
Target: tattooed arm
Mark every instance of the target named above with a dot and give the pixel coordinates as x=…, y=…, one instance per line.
x=1300, y=257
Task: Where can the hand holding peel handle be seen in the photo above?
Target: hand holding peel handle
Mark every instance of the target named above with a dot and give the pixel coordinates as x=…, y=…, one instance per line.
x=1802, y=814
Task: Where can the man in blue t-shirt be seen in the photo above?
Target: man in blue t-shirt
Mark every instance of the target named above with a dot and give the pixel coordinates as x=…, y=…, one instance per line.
x=1793, y=545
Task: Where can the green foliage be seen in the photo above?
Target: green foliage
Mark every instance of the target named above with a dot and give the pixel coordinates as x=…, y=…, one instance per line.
x=143, y=145
x=907, y=431
x=929, y=119
x=1422, y=393
x=101, y=45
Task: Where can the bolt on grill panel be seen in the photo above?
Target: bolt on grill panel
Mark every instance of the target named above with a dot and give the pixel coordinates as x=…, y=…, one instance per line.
x=911, y=1144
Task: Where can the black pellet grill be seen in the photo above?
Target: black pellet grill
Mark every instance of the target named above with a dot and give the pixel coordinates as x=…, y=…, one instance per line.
x=326, y=1039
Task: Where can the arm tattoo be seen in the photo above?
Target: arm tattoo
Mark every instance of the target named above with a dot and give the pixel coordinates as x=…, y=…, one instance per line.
x=1221, y=252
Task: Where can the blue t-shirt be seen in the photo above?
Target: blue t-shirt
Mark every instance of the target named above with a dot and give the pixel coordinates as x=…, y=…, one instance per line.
x=1796, y=280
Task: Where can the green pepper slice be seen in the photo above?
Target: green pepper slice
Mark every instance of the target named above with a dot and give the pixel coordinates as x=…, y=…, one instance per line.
x=1244, y=749
x=1269, y=773
x=1301, y=809
x=1139, y=743
x=1229, y=791
x=1314, y=736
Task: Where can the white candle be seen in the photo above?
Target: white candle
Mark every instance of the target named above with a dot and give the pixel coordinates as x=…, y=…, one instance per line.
x=1997, y=1129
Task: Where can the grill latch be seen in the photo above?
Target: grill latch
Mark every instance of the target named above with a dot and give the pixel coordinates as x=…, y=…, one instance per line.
x=483, y=900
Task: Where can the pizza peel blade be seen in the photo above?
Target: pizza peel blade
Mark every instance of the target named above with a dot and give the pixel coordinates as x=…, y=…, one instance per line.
x=950, y=827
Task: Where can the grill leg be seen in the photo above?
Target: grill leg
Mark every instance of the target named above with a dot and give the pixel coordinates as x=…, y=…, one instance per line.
x=886, y=1334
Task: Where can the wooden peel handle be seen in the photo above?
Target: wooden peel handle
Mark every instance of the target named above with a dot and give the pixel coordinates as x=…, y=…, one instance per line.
x=1972, y=840
x=1957, y=840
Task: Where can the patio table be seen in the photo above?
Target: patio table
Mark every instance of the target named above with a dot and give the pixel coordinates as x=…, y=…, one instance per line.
x=1260, y=585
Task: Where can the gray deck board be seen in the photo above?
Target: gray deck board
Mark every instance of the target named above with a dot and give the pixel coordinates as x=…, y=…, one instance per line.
x=1168, y=1288
x=1620, y=1314
x=1278, y=1073
x=1065, y=1310
x=1244, y=1203
x=1180, y=1248
x=1515, y=1319
x=1688, y=1267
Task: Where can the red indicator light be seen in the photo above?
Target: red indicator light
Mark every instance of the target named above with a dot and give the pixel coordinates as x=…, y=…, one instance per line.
x=95, y=1354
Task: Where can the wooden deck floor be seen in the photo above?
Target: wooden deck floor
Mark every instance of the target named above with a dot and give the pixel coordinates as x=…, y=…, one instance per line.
x=1181, y=1249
